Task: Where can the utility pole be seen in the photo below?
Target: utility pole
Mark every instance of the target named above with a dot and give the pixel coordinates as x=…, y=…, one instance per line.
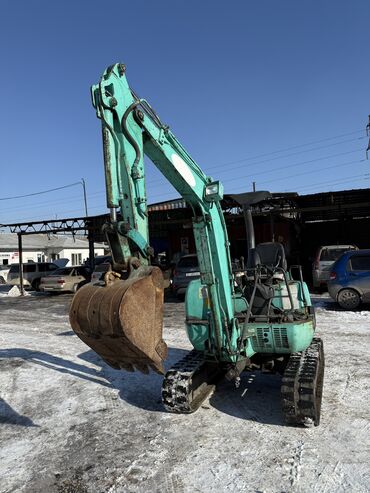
x=90, y=235
x=85, y=199
x=20, y=260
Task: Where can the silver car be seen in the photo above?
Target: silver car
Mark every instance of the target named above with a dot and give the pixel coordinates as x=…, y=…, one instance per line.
x=186, y=270
x=66, y=279
x=325, y=258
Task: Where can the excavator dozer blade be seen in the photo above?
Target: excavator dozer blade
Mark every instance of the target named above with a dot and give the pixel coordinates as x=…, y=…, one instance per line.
x=122, y=321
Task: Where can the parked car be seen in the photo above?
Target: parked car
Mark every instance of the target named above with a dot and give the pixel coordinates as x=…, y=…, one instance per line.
x=32, y=273
x=349, y=282
x=324, y=260
x=99, y=259
x=66, y=279
x=186, y=270
x=4, y=271
x=101, y=269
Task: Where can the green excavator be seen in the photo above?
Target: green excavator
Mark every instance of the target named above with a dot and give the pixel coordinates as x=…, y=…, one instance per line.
x=256, y=317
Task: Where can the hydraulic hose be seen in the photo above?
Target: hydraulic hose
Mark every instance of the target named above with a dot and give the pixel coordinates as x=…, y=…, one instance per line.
x=114, y=137
x=127, y=134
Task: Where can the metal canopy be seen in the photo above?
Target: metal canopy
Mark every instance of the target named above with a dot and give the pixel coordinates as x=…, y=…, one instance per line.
x=53, y=226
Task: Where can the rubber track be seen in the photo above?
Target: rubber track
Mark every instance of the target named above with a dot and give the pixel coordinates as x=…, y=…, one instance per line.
x=179, y=393
x=302, y=383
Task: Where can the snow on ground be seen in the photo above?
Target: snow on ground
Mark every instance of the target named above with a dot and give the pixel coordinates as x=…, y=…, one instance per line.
x=69, y=423
x=11, y=291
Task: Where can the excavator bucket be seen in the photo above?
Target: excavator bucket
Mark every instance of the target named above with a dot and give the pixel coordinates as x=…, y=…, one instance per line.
x=122, y=320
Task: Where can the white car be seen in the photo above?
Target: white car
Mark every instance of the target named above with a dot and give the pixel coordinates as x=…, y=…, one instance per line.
x=4, y=271
x=32, y=273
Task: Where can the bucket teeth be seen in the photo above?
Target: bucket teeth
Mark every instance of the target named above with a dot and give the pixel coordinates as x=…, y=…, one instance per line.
x=126, y=367
x=122, y=321
x=143, y=368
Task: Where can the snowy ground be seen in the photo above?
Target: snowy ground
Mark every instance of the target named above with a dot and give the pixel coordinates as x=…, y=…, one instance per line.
x=69, y=423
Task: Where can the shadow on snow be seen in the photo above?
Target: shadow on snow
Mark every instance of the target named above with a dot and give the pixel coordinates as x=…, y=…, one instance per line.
x=257, y=398
x=9, y=416
x=330, y=305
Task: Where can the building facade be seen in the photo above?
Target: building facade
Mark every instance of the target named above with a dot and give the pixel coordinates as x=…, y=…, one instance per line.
x=46, y=248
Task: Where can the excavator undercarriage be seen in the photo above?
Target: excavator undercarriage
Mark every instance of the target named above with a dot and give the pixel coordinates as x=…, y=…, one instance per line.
x=189, y=382
x=302, y=385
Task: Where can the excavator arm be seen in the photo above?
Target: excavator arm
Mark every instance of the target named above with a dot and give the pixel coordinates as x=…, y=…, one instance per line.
x=131, y=129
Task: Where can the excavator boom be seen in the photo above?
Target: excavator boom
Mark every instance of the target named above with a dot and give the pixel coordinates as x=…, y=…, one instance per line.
x=122, y=319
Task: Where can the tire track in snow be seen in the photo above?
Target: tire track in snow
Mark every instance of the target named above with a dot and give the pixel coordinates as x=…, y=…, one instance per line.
x=296, y=464
x=141, y=476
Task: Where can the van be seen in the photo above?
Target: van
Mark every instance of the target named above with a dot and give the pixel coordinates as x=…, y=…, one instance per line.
x=324, y=260
x=32, y=273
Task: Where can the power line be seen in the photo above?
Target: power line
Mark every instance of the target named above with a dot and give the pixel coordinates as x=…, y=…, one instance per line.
x=336, y=182
x=311, y=171
x=285, y=156
x=232, y=162
x=263, y=172
x=210, y=169
x=295, y=147
x=42, y=204
x=39, y=193
x=239, y=178
x=38, y=218
x=35, y=205
x=66, y=200
x=224, y=181
x=347, y=163
x=239, y=161
x=321, y=169
x=293, y=165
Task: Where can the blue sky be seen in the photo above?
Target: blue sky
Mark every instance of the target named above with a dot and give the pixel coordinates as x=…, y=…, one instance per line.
x=275, y=92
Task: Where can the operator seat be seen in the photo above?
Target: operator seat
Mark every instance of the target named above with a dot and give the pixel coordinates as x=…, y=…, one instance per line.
x=271, y=255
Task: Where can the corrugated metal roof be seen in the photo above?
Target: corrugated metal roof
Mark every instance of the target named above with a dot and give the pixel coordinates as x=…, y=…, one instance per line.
x=326, y=206
x=9, y=241
x=167, y=205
